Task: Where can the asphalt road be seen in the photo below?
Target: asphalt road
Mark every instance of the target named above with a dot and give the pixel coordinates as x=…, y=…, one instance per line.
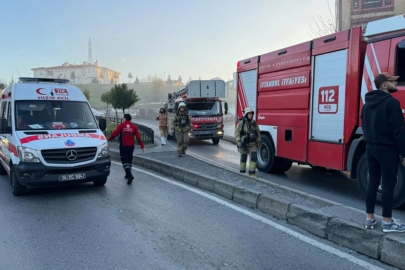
x=156, y=223
x=329, y=184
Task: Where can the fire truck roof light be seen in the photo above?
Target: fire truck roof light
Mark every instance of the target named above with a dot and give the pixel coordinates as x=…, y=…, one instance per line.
x=238, y=65
x=41, y=80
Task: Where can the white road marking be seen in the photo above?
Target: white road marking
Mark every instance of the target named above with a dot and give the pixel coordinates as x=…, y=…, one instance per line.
x=301, y=237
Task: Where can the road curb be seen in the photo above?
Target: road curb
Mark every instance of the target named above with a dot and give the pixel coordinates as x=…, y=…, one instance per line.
x=373, y=243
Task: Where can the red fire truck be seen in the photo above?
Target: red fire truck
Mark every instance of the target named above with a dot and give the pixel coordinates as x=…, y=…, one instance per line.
x=202, y=99
x=308, y=98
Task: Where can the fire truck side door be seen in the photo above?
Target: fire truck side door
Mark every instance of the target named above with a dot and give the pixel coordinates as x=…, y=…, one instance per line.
x=328, y=97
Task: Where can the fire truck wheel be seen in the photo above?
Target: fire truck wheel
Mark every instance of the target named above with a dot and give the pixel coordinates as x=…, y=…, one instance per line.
x=267, y=162
x=362, y=181
x=18, y=189
x=215, y=141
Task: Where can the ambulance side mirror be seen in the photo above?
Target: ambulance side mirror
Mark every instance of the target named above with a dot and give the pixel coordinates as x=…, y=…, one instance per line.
x=3, y=126
x=102, y=123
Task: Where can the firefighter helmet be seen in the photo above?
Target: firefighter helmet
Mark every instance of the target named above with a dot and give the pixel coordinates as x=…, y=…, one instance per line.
x=182, y=104
x=248, y=110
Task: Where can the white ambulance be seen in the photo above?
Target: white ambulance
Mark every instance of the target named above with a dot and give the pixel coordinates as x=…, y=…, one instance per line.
x=49, y=136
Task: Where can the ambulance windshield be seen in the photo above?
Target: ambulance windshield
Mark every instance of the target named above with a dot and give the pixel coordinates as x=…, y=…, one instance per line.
x=52, y=114
x=204, y=107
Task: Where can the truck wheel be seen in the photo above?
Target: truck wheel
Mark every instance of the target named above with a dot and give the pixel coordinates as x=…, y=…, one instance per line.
x=18, y=189
x=362, y=181
x=215, y=141
x=267, y=162
x=100, y=182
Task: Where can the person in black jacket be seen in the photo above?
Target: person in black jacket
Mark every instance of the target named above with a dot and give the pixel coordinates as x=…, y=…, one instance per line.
x=384, y=133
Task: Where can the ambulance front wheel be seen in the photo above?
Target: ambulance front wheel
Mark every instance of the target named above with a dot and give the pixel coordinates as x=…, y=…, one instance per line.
x=399, y=192
x=266, y=159
x=18, y=188
x=100, y=182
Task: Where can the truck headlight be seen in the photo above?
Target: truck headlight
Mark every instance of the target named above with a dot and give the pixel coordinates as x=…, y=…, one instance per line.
x=104, y=152
x=27, y=154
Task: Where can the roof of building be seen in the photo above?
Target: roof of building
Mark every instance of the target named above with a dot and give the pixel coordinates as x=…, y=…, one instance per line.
x=70, y=66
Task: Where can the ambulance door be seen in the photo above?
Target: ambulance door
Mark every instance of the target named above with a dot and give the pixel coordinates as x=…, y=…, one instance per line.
x=328, y=97
x=5, y=136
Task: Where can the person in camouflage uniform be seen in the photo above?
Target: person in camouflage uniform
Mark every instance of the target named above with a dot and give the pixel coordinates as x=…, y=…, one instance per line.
x=248, y=139
x=182, y=126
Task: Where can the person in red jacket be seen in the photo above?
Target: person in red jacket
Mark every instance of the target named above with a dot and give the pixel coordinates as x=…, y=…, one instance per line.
x=126, y=131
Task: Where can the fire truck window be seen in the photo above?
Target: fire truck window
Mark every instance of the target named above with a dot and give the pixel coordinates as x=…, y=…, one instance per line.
x=400, y=62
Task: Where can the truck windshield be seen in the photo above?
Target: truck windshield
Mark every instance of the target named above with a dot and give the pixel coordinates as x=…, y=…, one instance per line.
x=53, y=114
x=204, y=107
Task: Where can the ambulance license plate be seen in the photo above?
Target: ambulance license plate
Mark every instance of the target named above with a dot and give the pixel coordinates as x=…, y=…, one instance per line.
x=73, y=176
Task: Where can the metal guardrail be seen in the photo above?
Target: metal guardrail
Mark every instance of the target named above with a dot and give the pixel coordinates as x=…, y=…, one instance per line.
x=147, y=134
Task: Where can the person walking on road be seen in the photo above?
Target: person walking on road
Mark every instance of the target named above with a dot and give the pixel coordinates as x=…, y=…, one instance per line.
x=248, y=139
x=163, y=125
x=126, y=131
x=182, y=127
x=384, y=134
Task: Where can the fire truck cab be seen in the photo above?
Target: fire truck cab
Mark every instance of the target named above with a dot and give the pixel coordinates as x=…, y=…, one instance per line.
x=202, y=99
x=308, y=98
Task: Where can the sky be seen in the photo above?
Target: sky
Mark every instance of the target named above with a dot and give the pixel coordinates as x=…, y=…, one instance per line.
x=191, y=38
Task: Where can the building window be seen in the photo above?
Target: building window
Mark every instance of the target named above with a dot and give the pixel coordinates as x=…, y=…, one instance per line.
x=400, y=62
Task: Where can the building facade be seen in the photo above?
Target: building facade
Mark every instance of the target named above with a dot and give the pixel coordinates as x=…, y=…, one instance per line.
x=350, y=13
x=80, y=74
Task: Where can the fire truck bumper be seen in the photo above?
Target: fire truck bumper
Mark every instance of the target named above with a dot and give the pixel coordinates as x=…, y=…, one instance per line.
x=206, y=134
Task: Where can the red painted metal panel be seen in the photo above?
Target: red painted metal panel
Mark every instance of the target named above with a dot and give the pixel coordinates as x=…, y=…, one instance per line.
x=298, y=99
x=290, y=81
x=287, y=119
x=289, y=61
x=292, y=143
x=326, y=155
x=331, y=48
x=331, y=39
x=248, y=64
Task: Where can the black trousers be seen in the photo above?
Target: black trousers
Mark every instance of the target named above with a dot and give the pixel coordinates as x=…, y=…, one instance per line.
x=383, y=164
x=126, y=154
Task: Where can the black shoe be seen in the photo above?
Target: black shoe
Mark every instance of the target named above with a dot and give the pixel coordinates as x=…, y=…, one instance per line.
x=242, y=171
x=130, y=180
x=179, y=155
x=126, y=176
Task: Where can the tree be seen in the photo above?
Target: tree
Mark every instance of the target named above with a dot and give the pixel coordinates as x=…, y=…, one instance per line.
x=180, y=79
x=130, y=77
x=2, y=86
x=95, y=81
x=73, y=76
x=106, y=98
x=122, y=97
x=158, y=87
x=136, y=80
x=86, y=93
x=169, y=81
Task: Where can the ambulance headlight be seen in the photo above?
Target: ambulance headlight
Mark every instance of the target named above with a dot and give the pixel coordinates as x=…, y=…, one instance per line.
x=27, y=154
x=104, y=152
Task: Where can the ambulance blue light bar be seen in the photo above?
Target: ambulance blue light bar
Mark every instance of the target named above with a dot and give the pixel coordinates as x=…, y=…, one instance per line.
x=39, y=80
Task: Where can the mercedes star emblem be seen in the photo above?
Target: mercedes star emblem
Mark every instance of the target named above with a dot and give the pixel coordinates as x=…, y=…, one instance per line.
x=71, y=155
x=204, y=126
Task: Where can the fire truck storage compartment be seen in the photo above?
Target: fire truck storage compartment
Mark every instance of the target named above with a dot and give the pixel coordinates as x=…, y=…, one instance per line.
x=284, y=98
x=206, y=89
x=247, y=90
x=332, y=56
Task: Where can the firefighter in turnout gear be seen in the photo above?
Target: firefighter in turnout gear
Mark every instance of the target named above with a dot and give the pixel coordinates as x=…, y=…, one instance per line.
x=182, y=127
x=247, y=135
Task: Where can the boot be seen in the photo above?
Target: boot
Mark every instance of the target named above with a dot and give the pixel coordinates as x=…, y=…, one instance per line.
x=129, y=175
x=253, y=174
x=163, y=141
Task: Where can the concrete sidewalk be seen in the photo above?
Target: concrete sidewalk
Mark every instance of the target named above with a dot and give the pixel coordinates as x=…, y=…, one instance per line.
x=327, y=219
